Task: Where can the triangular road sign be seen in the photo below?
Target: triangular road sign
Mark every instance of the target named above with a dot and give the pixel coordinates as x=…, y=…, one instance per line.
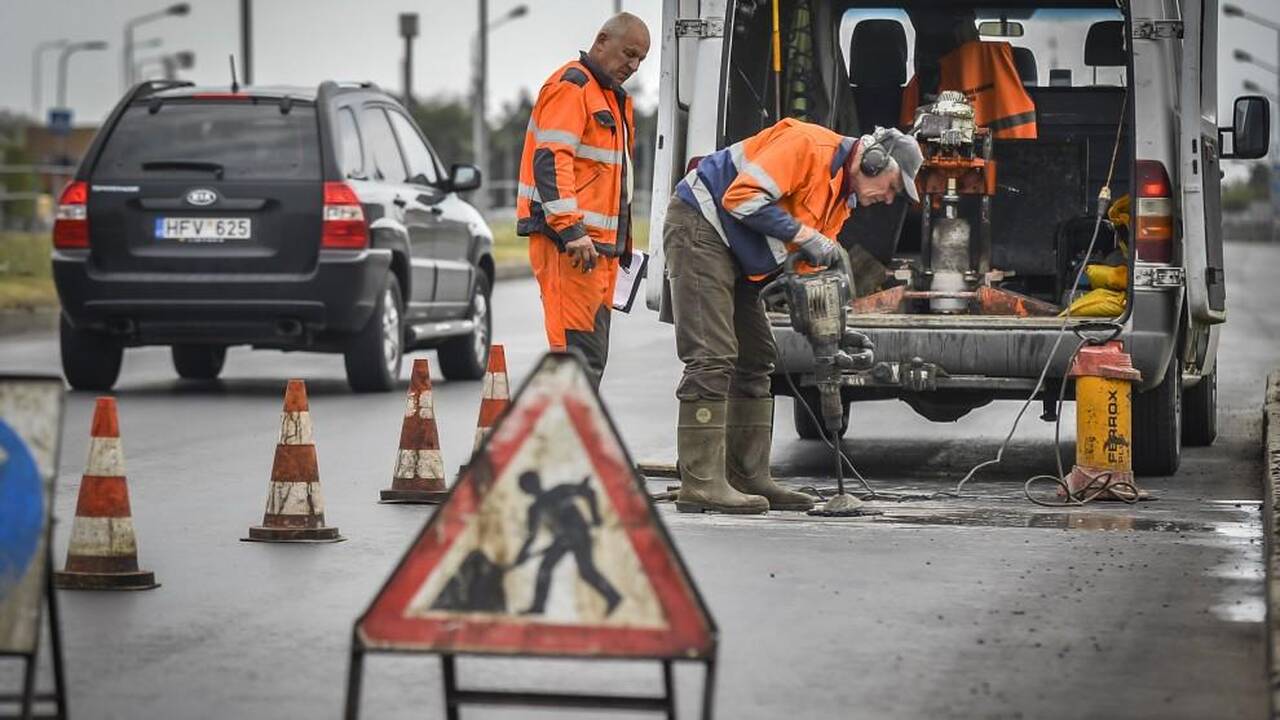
x=547, y=545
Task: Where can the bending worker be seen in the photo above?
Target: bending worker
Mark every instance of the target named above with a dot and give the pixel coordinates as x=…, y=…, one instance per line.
x=576, y=182
x=951, y=56
x=730, y=224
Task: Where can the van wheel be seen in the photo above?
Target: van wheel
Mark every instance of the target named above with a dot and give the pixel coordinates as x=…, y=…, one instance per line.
x=1200, y=412
x=1157, y=425
x=199, y=362
x=90, y=361
x=467, y=357
x=806, y=428
x=374, y=355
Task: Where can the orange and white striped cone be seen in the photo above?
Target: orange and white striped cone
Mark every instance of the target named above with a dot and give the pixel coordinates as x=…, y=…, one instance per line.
x=419, y=473
x=495, y=394
x=295, y=507
x=103, y=552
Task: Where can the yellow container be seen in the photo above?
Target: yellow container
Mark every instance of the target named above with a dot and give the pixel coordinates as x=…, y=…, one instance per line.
x=1104, y=423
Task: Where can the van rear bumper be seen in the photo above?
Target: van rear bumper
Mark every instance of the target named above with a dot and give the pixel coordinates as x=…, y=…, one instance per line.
x=995, y=357
x=279, y=310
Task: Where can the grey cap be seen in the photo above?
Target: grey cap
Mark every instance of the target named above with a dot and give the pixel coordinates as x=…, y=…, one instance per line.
x=905, y=150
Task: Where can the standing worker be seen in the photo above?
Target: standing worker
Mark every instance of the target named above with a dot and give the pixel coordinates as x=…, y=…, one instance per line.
x=576, y=182
x=731, y=223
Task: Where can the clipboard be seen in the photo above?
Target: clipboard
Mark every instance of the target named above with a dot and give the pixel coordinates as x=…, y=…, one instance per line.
x=628, y=283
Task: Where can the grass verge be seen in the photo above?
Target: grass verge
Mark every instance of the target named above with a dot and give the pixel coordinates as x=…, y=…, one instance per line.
x=26, y=281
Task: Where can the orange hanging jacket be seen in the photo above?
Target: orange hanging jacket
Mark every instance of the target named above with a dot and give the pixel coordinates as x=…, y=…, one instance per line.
x=985, y=73
x=573, y=170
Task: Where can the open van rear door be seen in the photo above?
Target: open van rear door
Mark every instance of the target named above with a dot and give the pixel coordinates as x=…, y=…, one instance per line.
x=1198, y=152
x=689, y=92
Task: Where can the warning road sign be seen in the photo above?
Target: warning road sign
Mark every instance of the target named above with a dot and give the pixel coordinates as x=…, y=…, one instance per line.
x=548, y=545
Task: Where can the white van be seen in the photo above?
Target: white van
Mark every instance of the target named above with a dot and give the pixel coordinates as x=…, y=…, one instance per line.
x=1137, y=80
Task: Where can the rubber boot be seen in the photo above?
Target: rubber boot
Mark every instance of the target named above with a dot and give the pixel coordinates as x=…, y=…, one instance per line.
x=749, y=433
x=700, y=442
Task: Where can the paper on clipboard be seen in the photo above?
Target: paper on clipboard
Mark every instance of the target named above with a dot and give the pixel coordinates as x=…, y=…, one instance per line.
x=628, y=285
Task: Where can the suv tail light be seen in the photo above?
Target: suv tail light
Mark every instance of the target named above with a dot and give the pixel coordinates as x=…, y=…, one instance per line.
x=1153, y=214
x=71, y=222
x=344, y=226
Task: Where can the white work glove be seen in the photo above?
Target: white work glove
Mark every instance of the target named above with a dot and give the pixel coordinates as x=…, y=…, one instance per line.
x=816, y=248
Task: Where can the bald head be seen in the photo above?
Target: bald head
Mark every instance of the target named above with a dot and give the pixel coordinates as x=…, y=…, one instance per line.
x=620, y=46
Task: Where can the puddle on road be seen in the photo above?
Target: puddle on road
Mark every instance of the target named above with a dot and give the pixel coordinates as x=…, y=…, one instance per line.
x=1047, y=520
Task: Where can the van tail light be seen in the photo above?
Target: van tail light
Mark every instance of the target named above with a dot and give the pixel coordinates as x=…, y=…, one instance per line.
x=344, y=227
x=693, y=163
x=71, y=221
x=1153, y=214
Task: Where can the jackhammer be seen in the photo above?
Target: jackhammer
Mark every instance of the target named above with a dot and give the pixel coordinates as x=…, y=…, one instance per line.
x=818, y=304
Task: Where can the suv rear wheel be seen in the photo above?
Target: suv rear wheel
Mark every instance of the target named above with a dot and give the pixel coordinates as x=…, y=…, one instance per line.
x=1157, y=425
x=374, y=355
x=199, y=362
x=1200, y=412
x=467, y=357
x=90, y=361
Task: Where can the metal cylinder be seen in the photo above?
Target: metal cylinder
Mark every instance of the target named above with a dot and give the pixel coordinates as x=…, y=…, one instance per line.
x=949, y=260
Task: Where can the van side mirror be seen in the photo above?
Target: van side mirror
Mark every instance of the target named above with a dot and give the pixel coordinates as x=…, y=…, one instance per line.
x=1250, y=129
x=464, y=177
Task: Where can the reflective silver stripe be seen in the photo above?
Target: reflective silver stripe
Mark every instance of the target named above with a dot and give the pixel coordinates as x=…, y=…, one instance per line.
x=764, y=179
x=528, y=191
x=563, y=205
x=599, y=220
x=751, y=206
x=706, y=204
x=738, y=154
x=563, y=137
x=599, y=154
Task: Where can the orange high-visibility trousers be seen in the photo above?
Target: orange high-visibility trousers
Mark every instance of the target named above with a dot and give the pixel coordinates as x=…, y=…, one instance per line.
x=575, y=305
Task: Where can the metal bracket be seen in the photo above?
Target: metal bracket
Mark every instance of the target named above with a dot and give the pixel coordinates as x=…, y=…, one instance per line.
x=1157, y=29
x=920, y=376
x=700, y=27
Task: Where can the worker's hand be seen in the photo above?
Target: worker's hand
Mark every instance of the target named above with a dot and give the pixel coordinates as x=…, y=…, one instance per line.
x=820, y=250
x=582, y=253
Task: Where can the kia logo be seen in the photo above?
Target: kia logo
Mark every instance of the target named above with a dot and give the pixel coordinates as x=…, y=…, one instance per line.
x=202, y=196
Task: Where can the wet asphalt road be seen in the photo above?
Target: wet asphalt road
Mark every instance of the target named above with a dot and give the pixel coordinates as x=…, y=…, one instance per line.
x=982, y=607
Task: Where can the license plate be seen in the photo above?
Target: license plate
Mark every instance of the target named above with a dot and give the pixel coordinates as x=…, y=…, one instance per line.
x=203, y=230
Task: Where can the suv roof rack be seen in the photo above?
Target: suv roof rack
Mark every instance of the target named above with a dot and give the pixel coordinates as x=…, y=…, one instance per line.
x=149, y=87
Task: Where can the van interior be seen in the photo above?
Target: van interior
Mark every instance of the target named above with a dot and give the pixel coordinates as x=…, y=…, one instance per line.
x=847, y=65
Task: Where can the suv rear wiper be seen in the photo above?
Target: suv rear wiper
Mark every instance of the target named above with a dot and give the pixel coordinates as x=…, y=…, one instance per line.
x=216, y=168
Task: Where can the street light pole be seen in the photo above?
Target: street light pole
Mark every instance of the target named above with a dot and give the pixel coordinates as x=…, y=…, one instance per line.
x=126, y=72
x=479, y=90
x=408, y=31
x=246, y=41
x=37, y=77
x=479, y=136
x=63, y=57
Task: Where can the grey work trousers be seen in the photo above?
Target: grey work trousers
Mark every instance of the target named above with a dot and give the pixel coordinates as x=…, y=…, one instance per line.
x=722, y=332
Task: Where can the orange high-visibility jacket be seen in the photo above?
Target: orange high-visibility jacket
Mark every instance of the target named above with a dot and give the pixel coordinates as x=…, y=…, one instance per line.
x=758, y=192
x=985, y=73
x=573, y=168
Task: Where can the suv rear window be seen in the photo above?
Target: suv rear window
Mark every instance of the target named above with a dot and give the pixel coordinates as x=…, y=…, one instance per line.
x=250, y=140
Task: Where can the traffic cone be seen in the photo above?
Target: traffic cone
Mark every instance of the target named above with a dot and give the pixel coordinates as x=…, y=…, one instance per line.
x=103, y=552
x=419, y=473
x=495, y=395
x=295, y=507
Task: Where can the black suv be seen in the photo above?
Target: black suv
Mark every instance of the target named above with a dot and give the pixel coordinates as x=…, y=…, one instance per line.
x=278, y=217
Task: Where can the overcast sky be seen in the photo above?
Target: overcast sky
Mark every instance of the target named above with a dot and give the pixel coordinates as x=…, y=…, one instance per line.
x=306, y=41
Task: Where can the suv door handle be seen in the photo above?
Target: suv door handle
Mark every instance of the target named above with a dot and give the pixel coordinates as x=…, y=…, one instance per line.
x=399, y=201
x=435, y=209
